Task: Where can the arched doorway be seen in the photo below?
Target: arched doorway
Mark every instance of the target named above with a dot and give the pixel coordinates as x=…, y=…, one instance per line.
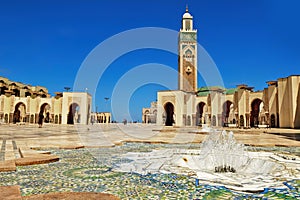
x=3, y=89
x=73, y=115
x=273, y=121
x=146, y=116
x=227, y=111
x=255, y=110
x=169, y=110
x=199, y=115
x=6, y=118
x=19, y=113
x=16, y=92
x=45, y=109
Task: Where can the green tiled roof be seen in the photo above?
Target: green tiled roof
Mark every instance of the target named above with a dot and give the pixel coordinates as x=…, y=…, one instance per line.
x=231, y=91
x=204, y=91
x=202, y=94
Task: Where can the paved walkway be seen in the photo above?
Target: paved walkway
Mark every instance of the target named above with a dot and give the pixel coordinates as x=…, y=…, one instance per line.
x=25, y=137
x=19, y=144
x=9, y=150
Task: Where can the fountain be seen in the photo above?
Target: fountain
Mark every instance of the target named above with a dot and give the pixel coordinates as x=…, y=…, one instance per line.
x=222, y=153
x=221, y=160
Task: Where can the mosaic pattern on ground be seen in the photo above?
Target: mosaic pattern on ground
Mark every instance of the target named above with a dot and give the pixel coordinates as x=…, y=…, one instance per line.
x=79, y=171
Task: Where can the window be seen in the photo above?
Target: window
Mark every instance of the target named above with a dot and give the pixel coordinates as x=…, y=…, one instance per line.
x=187, y=24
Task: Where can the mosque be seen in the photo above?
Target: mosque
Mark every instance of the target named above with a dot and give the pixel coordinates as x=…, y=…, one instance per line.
x=278, y=105
x=22, y=103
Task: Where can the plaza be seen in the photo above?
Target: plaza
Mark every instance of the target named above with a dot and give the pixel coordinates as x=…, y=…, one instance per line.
x=207, y=142
x=82, y=150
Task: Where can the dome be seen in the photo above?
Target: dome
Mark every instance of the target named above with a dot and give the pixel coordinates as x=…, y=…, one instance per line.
x=187, y=15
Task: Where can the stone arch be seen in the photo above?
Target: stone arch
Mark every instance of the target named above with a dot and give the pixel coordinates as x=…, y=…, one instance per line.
x=146, y=116
x=169, y=110
x=27, y=94
x=45, y=109
x=16, y=92
x=255, y=111
x=200, y=113
x=6, y=118
x=2, y=89
x=13, y=84
x=73, y=114
x=188, y=53
x=227, y=112
x=27, y=91
x=19, y=113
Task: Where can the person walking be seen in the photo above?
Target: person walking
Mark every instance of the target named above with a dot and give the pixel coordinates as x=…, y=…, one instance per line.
x=41, y=119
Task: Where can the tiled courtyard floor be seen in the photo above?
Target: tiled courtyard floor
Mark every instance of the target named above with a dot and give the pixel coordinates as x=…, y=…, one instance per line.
x=13, y=137
x=91, y=169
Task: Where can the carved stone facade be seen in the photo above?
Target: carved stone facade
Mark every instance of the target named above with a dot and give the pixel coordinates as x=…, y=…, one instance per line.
x=187, y=55
x=21, y=103
x=149, y=115
x=101, y=117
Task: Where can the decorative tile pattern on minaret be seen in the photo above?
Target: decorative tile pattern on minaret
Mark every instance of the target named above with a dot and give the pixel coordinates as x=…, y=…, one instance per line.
x=187, y=55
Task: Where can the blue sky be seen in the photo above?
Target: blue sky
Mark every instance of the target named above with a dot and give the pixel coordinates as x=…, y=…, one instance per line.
x=45, y=42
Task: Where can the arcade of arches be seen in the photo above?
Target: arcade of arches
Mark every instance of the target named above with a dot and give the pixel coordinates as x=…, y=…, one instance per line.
x=237, y=107
x=149, y=114
x=277, y=105
x=21, y=103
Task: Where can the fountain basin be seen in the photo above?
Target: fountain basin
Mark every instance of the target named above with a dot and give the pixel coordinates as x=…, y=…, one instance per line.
x=253, y=170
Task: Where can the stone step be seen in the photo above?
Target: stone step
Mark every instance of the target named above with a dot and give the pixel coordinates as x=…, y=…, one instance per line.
x=28, y=152
x=6, y=166
x=10, y=192
x=33, y=160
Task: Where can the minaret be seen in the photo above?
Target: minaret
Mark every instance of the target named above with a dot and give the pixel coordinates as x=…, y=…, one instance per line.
x=187, y=55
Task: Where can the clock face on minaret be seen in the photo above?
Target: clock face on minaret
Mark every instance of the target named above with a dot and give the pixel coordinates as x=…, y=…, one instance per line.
x=187, y=55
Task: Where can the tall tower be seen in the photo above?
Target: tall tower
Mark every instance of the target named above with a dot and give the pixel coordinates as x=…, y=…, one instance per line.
x=187, y=54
